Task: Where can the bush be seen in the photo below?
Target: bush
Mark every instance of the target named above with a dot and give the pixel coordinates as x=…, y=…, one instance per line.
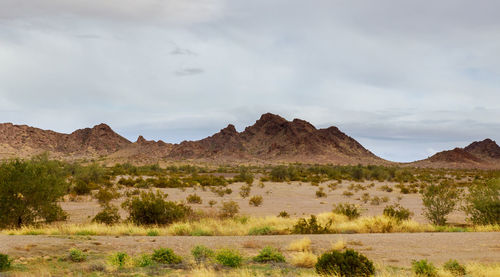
x=212, y=203
x=455, y=268
x=202, y=253
x=77, y=255
x=165, y=256
x=268, y=255
x=260, y=231
x=229, y=209
x=119, y=259
x=482, y=204
x=194, y=199
x=424, y=268
x=245, y=191
x=347, y=263
x=349, y=210
x=320, y=193
x=109, y=215
x=301, y=245
x=284, y=214
x=151, y=208
x=304, y=259
x=256, y=200
x=30, y=191
x=105, y=195
x=397, y=212
x=5, y=262
x=311, y=226
x=144, y=260
x=228, y=257
x=439, y=201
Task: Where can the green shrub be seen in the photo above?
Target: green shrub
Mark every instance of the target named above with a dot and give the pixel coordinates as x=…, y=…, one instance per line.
x=151, y=208
x=228, y=257
x=105, y=195
x=482, y=204
x=269, y=255
x=311, y=226
x=439, y=201
x=245, y=191
x=5, y=262
x=194, y=199
x=153, y=233
x=320, y=193
x=165, y=256
x=202, y=253
x=260, y=231
x=424, y=268
x=455, y=268
x=144, y=260
x=348, y=263
x=109, y=215
x=397, y=211
x=229, y=209
x=256, y=200
x=77, y=255
x=119, y=259
x=212, y=203
x=284, y=214
x=349, y=210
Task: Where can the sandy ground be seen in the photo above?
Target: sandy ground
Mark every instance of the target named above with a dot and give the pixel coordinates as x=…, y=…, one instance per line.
x=391, y=249
x=298, y=199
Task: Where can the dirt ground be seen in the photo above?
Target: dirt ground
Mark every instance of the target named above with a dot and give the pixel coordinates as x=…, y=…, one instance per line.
x=396, y=249
x=298, y=199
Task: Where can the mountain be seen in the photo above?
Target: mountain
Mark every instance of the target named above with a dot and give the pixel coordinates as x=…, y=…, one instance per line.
x=479, y=154
x=25, y=141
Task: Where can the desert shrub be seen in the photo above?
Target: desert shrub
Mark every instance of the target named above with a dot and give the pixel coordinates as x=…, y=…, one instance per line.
x=284, y=214
x=228, y=257
x=255, y=200
x=269, y=255
x=151, y=208
x=349, y=210
x=424, y=268
x=194, y=199
x=30, y=191
x=245, y=191
x=5, y=262
x=347, y=193
x=260, y=231
x=105, y=195
x=320, y=193
x=119, y=259
x=439, y=201
x=109, y=215
x=397, y=211
x=212, y=203
x=301, y=245
x=202, y=253
x=165, y=256
x=144, y=260
x=375, y=201
x=153, y=233
x=482, y=204
x=304, y=259
x=348, y=263
x=77, y=255
x=386, y=188
x=244, y=175
x=455, y=268
x=229, y=209
x=365, y=197
x=311, y=226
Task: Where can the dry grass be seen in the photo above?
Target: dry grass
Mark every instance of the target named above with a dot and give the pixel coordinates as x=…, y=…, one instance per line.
x=301, y=245
x=242, y=226
x=338, y=245
x=304, y=259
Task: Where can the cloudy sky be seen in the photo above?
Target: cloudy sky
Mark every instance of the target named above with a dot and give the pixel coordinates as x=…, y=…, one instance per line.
x=404, y=78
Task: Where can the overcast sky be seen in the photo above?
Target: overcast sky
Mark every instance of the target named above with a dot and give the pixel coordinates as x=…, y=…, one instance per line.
x=404, y=78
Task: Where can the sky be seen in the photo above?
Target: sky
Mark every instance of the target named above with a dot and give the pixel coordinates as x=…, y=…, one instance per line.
x=404, y=78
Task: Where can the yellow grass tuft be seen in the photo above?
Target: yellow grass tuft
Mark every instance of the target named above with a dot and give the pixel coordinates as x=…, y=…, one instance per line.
x=304, y=259
x=302, y=245
x=338, y=245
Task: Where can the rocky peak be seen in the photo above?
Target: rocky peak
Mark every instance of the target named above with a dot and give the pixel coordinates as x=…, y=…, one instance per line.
x=487, y=148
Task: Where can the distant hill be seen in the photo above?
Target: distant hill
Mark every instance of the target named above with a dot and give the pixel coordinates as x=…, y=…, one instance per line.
x=272, y=139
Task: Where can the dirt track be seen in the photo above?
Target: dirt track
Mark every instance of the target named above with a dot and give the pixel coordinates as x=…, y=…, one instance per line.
x=393, y=249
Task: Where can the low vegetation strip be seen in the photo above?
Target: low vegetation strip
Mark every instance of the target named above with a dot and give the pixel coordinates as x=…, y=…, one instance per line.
x=242, y=226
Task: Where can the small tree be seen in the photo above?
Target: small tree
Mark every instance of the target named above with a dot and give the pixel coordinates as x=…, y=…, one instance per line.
x=482, y=204
x=30, y=190
x=229, y=209
x=439, y=201
x=151, y=208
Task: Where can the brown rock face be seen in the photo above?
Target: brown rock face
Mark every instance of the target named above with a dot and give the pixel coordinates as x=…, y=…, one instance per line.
x=486, y=149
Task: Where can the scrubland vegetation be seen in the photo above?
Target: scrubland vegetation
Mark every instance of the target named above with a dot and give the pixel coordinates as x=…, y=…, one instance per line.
x=31, y=192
